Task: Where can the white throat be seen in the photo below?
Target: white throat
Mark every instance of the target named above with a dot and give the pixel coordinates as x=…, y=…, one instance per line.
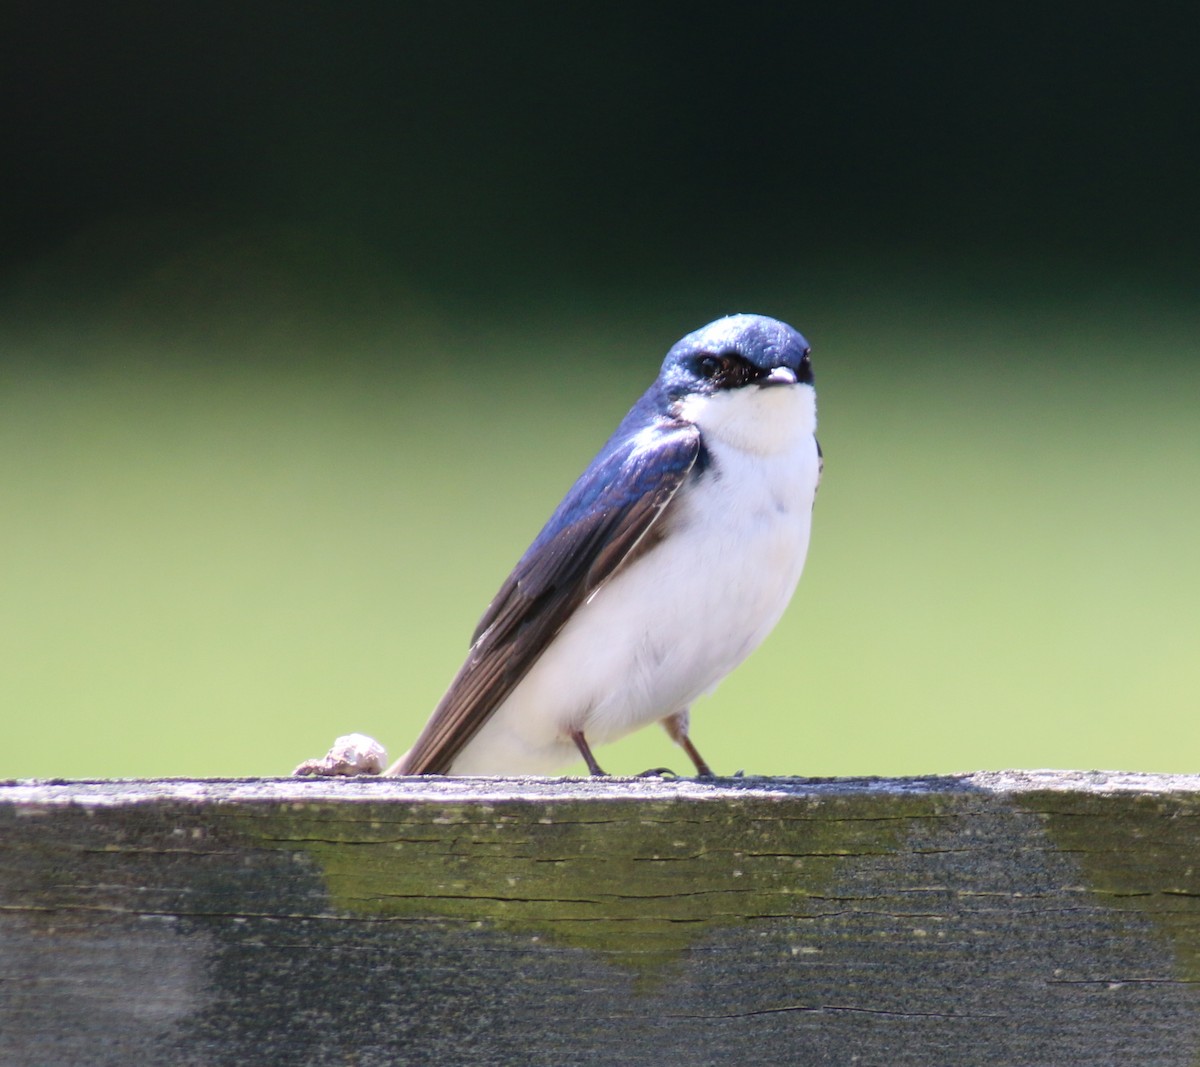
x=755, y=419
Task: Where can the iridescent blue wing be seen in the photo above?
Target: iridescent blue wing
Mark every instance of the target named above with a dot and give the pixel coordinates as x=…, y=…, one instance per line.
x=609, y=516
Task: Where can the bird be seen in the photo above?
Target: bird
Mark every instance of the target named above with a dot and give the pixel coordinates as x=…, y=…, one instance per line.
x=666, y=564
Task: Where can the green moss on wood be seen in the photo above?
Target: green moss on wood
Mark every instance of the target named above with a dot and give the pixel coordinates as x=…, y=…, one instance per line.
x=636, y=881
x=1137, y=854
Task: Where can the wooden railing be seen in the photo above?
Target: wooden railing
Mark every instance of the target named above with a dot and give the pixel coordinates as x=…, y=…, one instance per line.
x=1001, y=919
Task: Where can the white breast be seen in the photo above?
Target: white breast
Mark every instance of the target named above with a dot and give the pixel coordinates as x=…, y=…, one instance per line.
x=670, y=625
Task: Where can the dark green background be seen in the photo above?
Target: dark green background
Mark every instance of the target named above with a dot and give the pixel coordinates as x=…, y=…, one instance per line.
x=311, y=312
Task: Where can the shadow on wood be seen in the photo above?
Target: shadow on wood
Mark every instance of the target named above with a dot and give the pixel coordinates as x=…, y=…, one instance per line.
x=982, y=919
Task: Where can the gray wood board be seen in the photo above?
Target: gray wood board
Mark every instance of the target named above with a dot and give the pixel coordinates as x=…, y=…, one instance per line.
x=1000, y=919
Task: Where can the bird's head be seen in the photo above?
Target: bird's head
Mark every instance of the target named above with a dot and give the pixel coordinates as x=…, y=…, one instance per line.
x=745, y=379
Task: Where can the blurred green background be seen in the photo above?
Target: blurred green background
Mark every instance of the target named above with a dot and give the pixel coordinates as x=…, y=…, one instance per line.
x=310, y=313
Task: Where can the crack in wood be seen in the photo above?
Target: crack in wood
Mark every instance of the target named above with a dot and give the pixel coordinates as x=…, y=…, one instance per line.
x=810, y=1009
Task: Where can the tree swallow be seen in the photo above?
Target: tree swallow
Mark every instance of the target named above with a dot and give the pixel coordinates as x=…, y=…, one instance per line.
x=667, y=563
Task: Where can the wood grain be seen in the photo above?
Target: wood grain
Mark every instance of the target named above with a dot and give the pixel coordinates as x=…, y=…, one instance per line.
x=1000, y=919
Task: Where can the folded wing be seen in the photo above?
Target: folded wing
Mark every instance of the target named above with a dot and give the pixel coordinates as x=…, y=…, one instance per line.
x=607, y=514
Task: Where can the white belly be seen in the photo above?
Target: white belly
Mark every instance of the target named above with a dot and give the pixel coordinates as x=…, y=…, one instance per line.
x=668, y=627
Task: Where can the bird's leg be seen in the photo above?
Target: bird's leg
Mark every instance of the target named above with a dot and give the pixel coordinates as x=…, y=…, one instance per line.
x=594, y=769
x=676, y=725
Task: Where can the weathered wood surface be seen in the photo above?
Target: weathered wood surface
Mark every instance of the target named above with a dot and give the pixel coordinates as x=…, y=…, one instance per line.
x=998, y=919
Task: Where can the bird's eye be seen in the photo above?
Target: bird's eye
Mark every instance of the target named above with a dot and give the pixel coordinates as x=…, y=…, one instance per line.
x=724, y=370
x=805, y=372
